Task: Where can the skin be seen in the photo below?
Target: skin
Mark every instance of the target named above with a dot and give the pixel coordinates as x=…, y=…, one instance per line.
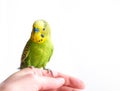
x=33, y=79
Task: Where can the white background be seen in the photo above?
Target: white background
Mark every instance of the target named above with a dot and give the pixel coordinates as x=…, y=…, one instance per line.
x=85, y=33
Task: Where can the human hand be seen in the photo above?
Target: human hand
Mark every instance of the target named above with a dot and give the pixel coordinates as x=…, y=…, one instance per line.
x=40, y=80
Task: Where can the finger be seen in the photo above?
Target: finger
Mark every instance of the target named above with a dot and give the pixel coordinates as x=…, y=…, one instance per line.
x=70, y=81
x=51, y=90
x=64, y=88
x=43, y=72
x=37, y=71
x=46, y=83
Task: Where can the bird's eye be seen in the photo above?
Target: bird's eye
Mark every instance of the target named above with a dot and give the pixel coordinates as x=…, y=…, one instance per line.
x=43, y=29
x=42, y=35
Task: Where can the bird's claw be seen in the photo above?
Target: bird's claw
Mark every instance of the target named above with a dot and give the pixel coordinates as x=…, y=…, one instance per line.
x=49, y=71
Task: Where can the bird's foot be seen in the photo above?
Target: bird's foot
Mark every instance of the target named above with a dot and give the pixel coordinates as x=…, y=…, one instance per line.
x=33, y=69
x=49, y=71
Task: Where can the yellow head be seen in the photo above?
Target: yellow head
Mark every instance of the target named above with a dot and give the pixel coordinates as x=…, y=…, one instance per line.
x=40, y=32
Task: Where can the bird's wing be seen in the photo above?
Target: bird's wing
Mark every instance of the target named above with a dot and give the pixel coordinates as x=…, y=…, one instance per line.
x=51, y=54
x=26, y=52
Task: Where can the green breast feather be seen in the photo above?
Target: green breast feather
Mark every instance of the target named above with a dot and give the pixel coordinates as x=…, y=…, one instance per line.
x=37, y=55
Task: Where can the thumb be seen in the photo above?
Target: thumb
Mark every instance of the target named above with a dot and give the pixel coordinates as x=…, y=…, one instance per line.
x=46, y=83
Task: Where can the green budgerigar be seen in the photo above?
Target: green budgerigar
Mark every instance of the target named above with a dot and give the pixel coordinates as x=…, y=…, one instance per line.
x=39, y=48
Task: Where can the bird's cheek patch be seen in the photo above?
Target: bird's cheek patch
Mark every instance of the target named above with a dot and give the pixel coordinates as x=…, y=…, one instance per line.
x=41, y=40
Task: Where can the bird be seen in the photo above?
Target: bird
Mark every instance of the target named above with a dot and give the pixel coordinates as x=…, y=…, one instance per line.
x=39, y=48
